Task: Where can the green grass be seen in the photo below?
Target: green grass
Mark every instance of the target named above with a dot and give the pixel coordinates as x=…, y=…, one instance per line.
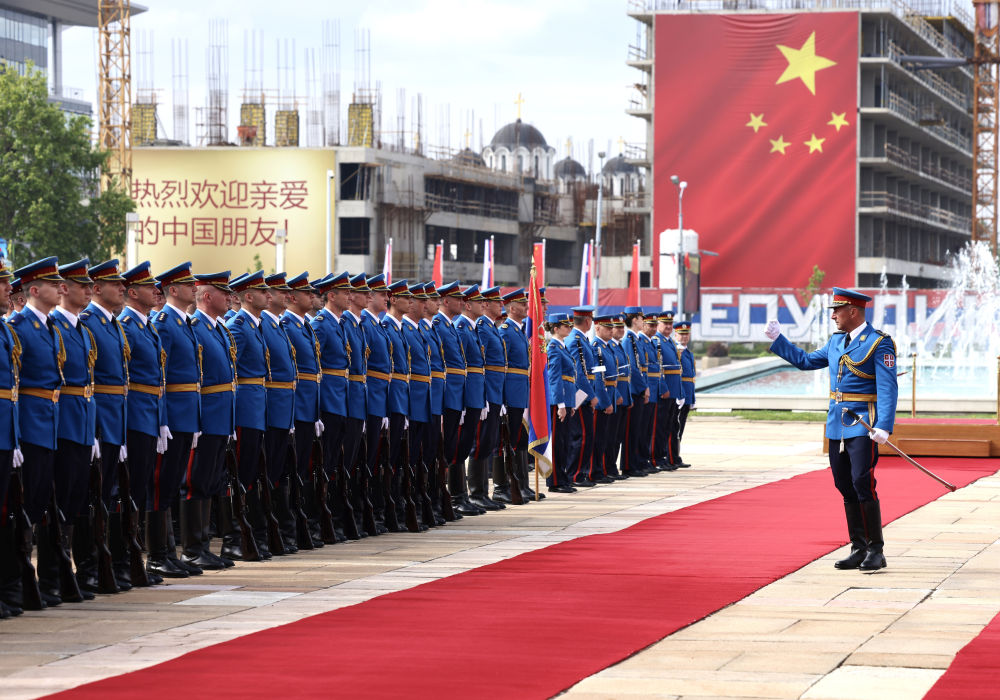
x=818, y=417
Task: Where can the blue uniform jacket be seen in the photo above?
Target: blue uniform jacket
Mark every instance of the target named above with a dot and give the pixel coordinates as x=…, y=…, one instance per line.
x=357, y=353
x=515, y=387
x=604, y=355
x=251, y=364
x=399, y=388
x=183, y=367
x=333, y=356
x=494, y=358
x=637, y=362
x=10, y=357
x=41, y=368
x=419, y=348
x=583, y=354
x=560, y=371
x=475, y=378
x=146, y=411
x=430, y=334
x=670, y=367
x=687, y=375
x=379, y=357
x=77, y=414
x=218, y=406
x=865, y=369
x=303, y=339
x=110, y=370
x=454, y=360
x=281, y=355
x=651, y=361
x=623, y=388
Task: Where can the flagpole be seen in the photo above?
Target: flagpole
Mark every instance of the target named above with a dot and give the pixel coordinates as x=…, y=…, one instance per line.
x=597, y=251
x=533, y=287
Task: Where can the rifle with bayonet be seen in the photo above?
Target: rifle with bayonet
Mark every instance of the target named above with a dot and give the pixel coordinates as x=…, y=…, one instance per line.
x=391, y=519
x=321, y=488
x=31, y=597
x=274, y=541
x=447, y=510
x=99, y=518
x=130, y=527
x=238, y=504
x=69, y=588
x=364, y=479
x=303, y=539
x=410, y=507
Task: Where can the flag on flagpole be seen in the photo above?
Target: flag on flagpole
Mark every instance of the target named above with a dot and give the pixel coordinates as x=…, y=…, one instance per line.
x=387, y=264
x=633, y=289
x=585, y=275
x=538, y=259
x=437, y=273
x=539, y=416
x=487, y=264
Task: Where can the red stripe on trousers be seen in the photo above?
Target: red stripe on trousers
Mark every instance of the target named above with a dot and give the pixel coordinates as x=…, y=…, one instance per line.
x=583, y=444
x=156, y=481
x=187, y=475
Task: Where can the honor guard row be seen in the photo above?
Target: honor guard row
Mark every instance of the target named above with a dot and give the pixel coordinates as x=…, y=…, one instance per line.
x=145, y=414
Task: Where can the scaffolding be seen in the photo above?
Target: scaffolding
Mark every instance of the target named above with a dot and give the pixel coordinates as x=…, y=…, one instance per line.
x=984, y=124
x=286, y=128
x=212, y=126
x=115, y=91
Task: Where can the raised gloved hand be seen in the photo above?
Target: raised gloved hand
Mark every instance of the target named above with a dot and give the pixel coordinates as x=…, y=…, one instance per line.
x=680, y=403
x=18, y=457
x=773, y=330
x=878, y=435
x=194, y=440
x=95, y=451
x=319, y=427
x=122, y=453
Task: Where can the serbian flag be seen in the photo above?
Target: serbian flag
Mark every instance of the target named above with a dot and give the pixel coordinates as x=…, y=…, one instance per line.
x=437, y=274
x=487, y=264
x=585, y=275
x=538, y=258
x=539, y=416
x=763, y=125
x=633, y=288
x=387, y=263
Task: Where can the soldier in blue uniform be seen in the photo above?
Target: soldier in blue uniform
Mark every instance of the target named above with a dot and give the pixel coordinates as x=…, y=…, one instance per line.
x=686, y=402
x=514, y=334
x=17, y=298
x=453, y=350
x=654, y=379
x=357, y=396
x=606, y=374
x=474, y=399
x=665, y=455
x=481, y=461
x=561, y=383
x=110, y=390
x=205, y=479
x=378, y=376
x=398, y=397
x=617, y=448
x=182, y=384
x=252, y=372
x=309, y=378
x=147, y=434
x=38, y=415
x=10, y=453
x=429, y=308
x=865, y=382
x=581, y=435
x=420, y=344
x=634, y=460
x=75, y=444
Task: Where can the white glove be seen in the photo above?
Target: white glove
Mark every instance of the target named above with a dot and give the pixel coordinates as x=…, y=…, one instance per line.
x=462, y=417
x=879, y=436
x=95, y=451
x=503, y=409
x=385, y=424
x=485, y=412
x=773, y=329
x=122, y=453
x=319, y=427
x=291, y=431
x=406, y=423
x=161, y=441
x=680, y=403
x=18, y=457
x=194, y=440
x=233, y=436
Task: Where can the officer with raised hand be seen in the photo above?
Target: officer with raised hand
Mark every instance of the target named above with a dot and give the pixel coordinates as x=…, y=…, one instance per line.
x=10, y=358
x=183, y=407
x=449, y=311
x=514, y=334
x=309, y=378
x=147, y=434
x=581, y=427
x=633, y=453
x=617, y=446
x=280, y=390
x=110, y=390
x=865, y=382
x=474, y=398
x=487, y=438
x=429, y=308
x=40, y=379
x=607, y=401
x=76, y=443
x=205, y=479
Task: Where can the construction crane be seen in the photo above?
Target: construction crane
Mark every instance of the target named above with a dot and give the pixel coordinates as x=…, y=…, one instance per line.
x=115, y=92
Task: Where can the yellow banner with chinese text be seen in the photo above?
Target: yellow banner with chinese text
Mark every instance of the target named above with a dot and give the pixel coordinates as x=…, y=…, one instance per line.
x=224, y=208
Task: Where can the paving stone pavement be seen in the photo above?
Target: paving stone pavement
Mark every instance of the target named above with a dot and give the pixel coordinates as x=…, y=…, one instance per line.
x=816, y=633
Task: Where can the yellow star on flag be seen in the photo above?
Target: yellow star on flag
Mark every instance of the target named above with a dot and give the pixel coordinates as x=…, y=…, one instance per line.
x=803, y=63
x=756, y=121
x=779, y=145
x=838, y=120
x=815, y=144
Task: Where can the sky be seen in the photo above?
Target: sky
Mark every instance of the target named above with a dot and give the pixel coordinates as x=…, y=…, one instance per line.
x=470, y=59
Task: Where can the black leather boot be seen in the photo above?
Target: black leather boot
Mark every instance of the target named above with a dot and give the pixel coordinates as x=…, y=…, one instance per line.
x=119, y=554
x=856, y=531
x=85, y=554
x=158, y=562
x=206, y=532
x=521, y=464
x=874, y=559
x=286, y=518
x=47, y=564
x=192, y=534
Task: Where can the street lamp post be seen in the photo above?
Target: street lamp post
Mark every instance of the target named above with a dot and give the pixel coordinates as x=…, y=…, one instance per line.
x=681, y=186
x=597, y=245
x=329, y=237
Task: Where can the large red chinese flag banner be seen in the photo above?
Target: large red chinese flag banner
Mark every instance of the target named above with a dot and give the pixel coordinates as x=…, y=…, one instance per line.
x=758, y=114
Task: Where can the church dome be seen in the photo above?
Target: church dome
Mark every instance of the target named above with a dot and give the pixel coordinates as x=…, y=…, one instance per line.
x=518, y=134
x=618, y=165
x=569, y=168
x=469, y=158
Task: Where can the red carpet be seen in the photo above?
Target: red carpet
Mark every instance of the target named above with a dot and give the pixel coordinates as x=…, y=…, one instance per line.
x=975, y=672
x=533, y=625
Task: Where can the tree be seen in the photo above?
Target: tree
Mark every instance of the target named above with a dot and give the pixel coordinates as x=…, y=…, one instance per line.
x=49, y=177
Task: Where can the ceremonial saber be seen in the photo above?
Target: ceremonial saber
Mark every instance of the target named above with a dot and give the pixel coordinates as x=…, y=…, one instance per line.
x=925, y=470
